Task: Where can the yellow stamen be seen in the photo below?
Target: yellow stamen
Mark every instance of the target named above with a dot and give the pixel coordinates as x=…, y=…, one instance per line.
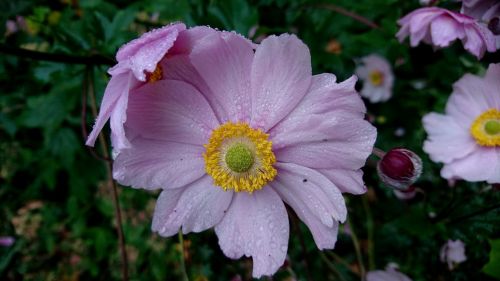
x=376, y=78
x=240, y=158
x=154, y=76
x=486, y=128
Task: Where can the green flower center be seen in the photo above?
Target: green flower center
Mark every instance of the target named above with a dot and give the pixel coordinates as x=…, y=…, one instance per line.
x=239, y=158
x=492, y=127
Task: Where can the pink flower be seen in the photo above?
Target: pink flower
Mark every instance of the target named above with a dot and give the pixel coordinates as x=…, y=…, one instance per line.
x=487, y=12
x=231, y=133
x=467, y=137
x=390, y=273
x=138, y=63
x=377, y=77
x=439, y=27
x=453, y=253
x=7, y=241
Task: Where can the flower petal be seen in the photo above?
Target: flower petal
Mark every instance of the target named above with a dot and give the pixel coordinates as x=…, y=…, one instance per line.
x=144, y=53
x=444, y=30
x=446, y=140
x=201, y=206
x=153, y=164
x=172, y=111
x=165, y=205
x=338, y=141
x=483, y=164
x=312, y=188
x=281, y=75
x=324, y=96
x=224, y=61
x=256, y=225
x=346, y=180
x=117, y=87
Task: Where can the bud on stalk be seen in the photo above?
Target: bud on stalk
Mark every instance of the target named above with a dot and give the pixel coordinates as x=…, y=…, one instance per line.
x=399, y=168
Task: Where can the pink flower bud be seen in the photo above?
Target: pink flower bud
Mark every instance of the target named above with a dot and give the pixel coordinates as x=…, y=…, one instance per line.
x=399, y=168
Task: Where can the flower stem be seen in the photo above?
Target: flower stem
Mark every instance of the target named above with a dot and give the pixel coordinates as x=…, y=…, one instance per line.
x=331, y=266
x=357, y=249
x=378, y=152
x=182, y=258
x=112, y=183
x=370, y=230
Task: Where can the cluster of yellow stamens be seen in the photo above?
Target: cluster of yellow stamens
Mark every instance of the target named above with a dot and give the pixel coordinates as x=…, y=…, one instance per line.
x=376, y=77
x=240, y=158
x=154, y=76
x=486, y=128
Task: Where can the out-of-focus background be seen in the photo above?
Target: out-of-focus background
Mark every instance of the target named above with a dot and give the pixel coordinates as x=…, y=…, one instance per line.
x=56, y=203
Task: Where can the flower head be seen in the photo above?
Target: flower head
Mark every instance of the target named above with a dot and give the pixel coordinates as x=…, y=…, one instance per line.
x=487, y=12
x=467, y=137
x=377, y=77
x=399, y=168
x=453, y=253
x=440, y=27
x=232, y=130
x=390, y=273
x=138, y=63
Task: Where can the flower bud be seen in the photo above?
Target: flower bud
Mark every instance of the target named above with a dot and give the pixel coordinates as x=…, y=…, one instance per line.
x=399, y=168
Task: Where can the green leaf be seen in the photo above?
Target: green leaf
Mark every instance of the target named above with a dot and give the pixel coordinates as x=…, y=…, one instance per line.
x=492, y=268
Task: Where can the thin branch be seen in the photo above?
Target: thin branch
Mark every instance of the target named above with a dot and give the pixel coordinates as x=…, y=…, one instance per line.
x=93, y=59
x=371, y=231
x=331, y=266
x=474, y=214
x=182, y=258
x=357, y=249
x=112, y=183
x=348, y=13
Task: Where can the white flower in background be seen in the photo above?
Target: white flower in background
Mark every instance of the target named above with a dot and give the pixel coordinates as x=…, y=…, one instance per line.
x=453, y=253
x=378, y=79
x=390, y=273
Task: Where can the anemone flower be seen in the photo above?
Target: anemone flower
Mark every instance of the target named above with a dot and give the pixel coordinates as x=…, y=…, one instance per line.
x=390, y=273
x=440, y=27
x=232, y=131
x=378, y=79
x=467, y=137
x=453, y=253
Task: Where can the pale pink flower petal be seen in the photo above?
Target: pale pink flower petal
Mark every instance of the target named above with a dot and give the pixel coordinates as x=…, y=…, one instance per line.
x=153, y=164
x=350, y=181
x=144, y=53
x=347, y=145
x=389, y=274
x=172, y=111
x=447, y=140
x=483, y=164
x=200, y=207
x=315, y=190
x=309, y=209
x=325, y=95
x=117, y=87
x=281, y=76
x=256, y=225
x=231, y=55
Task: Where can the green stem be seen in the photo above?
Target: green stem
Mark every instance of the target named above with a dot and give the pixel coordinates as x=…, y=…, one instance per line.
x=331, y=266
x=183, y=263
x=370, y=230
x=357, y=249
